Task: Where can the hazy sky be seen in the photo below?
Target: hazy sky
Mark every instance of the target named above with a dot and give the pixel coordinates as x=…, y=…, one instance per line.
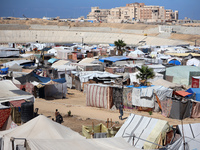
x=77, y=8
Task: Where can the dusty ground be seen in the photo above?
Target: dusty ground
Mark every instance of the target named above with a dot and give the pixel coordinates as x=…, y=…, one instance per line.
x=84, y=115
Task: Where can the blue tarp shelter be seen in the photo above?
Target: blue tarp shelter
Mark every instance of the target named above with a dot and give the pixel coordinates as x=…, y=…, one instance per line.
x=114, y=58
x=4, y=71
x=196, y=91
x=174, y=62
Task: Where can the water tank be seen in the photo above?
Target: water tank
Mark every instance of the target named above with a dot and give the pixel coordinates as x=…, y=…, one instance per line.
x=27, y=109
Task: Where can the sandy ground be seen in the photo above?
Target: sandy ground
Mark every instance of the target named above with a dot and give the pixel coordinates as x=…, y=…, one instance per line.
x=84, y=115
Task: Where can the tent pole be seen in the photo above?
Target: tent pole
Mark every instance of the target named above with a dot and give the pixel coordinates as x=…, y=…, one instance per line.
x=183, y=134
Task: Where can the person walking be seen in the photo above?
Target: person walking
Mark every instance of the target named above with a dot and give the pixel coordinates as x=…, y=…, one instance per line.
x=121, y=109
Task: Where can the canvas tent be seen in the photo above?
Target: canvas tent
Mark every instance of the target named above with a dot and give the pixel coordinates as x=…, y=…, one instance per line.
x=143, y=132
x=38, y=128
x=183, y=74
x=9, y=92
x=190, y=137
x=83, y=144
x=193, y=62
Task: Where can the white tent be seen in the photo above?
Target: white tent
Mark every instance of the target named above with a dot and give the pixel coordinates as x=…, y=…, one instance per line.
x=81, y=144
x=136, y=53
x=142, y=132
x=38, y=128
x=193, y=62
x=9, y=92
x=191, y=137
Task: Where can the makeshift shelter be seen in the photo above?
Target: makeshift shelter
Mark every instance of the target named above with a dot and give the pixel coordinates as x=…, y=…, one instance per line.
x=88, y=67
x=182, y=74
x=190, y=137
x=174, y=62
x=9, y=52
x=143, y=132
x=21, y=62
x=98, y=95
x=193, y=62
x=9, y=92
x=144, y=96
x=38, y=128
x=136, y=53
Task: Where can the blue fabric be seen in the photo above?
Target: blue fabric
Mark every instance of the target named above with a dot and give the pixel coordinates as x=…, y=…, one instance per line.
x=113, y=59
x=175, y=62
x=62, y=80
x=111, y=44
x=42, y=79
x=52, y=60
x=196, y=91
x=4, y=71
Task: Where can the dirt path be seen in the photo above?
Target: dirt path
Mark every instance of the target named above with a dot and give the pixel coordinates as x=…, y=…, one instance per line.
x=84, y=115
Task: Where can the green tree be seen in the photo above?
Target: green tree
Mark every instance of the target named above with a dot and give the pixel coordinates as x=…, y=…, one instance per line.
x=145, y=73
x=120, y=44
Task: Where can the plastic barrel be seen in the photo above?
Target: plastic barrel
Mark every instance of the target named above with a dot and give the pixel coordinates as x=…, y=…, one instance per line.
x=27, y=109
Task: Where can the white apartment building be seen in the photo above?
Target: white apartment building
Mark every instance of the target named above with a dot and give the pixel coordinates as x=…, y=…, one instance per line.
x=133, y=12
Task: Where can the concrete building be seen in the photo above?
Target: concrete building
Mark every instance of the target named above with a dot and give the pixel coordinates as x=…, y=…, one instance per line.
x=133, y=12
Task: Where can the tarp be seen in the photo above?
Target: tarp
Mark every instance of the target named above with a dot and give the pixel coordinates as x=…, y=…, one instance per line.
x=4, y=71
x=144, y=96
x=174, y=62
x=9, y=92
x=196, y=91
x=98, y=95
x=52, y=60
x=38, y=128
x=114, y=58
x=182, y=93
x=165, y=83
x=136, y=129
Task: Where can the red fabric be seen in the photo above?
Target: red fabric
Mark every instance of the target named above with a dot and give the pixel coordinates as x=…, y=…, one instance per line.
x=4, y=114
x=182, y=93
x=17, y=103
x=195, y=83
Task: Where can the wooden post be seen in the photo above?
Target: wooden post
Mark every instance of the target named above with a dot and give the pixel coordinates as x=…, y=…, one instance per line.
x=107, y=122
x=111, y=122
x=92, y=129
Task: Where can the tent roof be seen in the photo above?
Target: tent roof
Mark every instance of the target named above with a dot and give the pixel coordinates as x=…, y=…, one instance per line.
x=42, y=127
x=114, y=58
x=165, y=83
x=144, y=128
x=9, y=92
x=60, y=62
x=182, y=93
x=87, y=60
x=89, y=144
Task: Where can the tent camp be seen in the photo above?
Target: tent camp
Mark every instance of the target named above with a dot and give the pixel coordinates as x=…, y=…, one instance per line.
x=143, y=132
x=9, y=92
x=190, y=137
x=38, y=128
x=183, y=78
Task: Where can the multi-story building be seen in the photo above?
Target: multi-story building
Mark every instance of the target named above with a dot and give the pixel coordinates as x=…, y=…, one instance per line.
x=133, y=12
